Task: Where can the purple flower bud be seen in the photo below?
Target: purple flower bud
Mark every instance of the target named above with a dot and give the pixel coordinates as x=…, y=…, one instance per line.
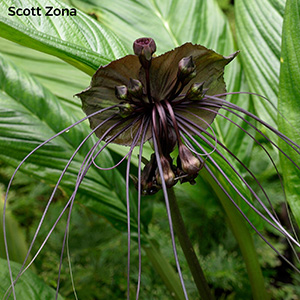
x=144, y=48
x=196, y=91
x=186, y=67
x=169, y=175
x=135, y=88
x=189, y=163
x=121, y=92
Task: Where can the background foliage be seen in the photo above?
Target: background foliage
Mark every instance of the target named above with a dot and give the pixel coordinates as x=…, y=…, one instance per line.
x=37, y=84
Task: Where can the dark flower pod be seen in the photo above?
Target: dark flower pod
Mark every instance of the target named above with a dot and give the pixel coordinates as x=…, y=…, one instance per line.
x=168, y=174
x=144, y=46
x=144, y=49
x=189, y=163
x=186, y=67
x=121, y=92
x=135, y=88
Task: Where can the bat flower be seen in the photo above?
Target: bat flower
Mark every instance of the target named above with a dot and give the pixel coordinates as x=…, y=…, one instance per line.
x=147, y=92
x=171, y=101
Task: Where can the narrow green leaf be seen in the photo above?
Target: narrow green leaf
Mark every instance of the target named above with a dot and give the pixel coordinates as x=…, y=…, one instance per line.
x=236, y=181
x=289, y=101
x=79, y=39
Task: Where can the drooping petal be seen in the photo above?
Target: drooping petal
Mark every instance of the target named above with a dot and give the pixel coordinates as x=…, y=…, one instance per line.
x=209, y=68
x=163, y=76
x=114, y=74
x=101, y=94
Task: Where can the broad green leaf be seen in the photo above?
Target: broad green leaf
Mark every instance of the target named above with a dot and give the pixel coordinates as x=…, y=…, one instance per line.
x=79, y=40
x=61, y=78
x=258, y=26
x=29, y=115
x=29, y=286
x=169, y=23
x=289, y=101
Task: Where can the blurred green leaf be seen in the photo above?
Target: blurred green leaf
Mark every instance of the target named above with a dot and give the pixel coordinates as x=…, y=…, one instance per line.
x=79, y=40
x=289, y=101
x=29, y=286
x=258, y=26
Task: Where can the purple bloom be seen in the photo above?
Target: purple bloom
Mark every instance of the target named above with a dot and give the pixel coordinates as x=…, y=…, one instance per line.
x=148, y=93
x=169, y=100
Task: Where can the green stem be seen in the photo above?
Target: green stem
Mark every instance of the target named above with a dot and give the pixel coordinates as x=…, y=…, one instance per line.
x=188, y=249
x=242, y=234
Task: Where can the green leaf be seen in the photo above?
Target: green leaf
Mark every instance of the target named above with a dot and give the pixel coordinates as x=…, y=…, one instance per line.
x=242, y=234
x=258, y=26
x=164, y=269
x=28, y=287
x=61, y=78
x=170, y=23
x=86, y=46
x=289, y=101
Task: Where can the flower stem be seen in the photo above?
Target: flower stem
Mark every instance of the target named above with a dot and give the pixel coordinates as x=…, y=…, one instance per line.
x=188, y=249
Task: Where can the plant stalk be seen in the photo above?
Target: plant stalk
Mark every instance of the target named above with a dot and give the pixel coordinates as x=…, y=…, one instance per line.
x=188, y=249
